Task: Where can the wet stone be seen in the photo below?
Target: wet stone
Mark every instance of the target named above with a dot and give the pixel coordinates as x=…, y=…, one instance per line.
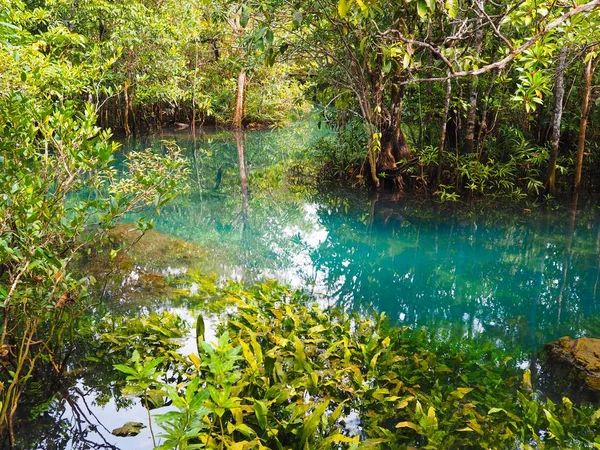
x=582, y=355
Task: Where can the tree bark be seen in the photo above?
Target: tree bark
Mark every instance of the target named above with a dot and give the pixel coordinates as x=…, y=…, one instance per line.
x=472, y=111
x=585, y=111
x=483, y=127
x=393, y=142
x=444, y=126
x=127, y=107
x=239, y=105
x=559, y=94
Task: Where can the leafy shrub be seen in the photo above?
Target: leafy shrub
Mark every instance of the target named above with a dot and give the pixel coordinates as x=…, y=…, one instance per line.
x=288, y=373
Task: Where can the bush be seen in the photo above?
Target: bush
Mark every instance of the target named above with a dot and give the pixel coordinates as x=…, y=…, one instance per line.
x=286, y=373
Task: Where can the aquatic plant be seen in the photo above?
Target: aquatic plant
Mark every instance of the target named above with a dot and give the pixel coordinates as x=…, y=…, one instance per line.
x=287, y=372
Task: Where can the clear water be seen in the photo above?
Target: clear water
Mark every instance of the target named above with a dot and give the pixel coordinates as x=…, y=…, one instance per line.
x=521, y=276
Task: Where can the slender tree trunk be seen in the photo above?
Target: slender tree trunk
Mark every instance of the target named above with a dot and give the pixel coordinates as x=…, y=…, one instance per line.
x=483, y=128
x=239, y=105
x=126, y=118
x=443, y=132
x=131, y=108
x=194, y=90
x=585, y=111
x=472, y=111
x=373, y=145
x=372, y=149
x=400, y=146
x=556, y=120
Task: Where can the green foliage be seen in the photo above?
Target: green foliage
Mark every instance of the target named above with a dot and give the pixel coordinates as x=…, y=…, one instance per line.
x=60, y=196
x=342, y=154
x=286, y=373
x=149, y=336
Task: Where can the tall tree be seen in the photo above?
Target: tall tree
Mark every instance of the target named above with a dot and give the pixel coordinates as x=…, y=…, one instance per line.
x=588, y=75
x=559, y=93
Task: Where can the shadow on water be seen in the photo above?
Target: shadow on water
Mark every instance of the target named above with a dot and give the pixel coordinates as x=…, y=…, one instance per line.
x=519, y=277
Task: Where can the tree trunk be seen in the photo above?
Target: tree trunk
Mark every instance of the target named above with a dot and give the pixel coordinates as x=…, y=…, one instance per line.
x=239, y=105
x=483, y=127
x=393, y=142
x=126, y=118
x=443, y=131
x=472, y=111
x=585, y=111
x=400, y=146
x=559, y=94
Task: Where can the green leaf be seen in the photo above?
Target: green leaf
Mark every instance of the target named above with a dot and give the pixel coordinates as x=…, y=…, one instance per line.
x=269, y=37
x=312, y=422
x=260, y=410
x=9, y=25
x=422, y=8
x=554, y=425
x=410, y=425
x=244, y=17
x=343, y=7
x=452, y=8
x=200, y=329
x=245, y=430
x=335, y=439
x=125, y=369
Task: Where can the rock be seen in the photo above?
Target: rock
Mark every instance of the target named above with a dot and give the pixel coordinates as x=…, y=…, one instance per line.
x=156, y=250
x=129, y=429
x=581, y=354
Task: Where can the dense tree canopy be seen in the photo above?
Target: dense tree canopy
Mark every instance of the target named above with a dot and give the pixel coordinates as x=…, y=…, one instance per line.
x=440, y=87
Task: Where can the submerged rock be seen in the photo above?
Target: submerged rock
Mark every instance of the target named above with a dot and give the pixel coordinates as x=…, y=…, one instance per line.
x=155, y=249
x=129, y=429
x=139, y=272
x=582, y=355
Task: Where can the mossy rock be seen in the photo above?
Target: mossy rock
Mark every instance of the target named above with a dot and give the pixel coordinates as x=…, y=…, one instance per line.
x=582, y=355
x=129, y=429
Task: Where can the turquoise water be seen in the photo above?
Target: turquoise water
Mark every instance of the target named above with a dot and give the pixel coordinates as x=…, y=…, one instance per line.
x=519, y=275
x=523, y=276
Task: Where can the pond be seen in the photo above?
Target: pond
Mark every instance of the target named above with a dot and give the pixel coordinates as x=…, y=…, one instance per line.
x=521, y=276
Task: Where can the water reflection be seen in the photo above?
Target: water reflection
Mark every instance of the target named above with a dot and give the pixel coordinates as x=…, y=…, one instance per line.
x=520, y=278
x=523, y=277
x=524, y=281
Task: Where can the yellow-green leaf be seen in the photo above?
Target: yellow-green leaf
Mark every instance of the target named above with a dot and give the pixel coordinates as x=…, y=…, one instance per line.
x=421, y=8
x=343, y=7
x=312, y=421
x=411, y=425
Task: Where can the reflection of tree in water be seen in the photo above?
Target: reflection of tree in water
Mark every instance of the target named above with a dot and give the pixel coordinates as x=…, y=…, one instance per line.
x=58, y=411
x=68, y=423
x=246, y=222
x=521, y=281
